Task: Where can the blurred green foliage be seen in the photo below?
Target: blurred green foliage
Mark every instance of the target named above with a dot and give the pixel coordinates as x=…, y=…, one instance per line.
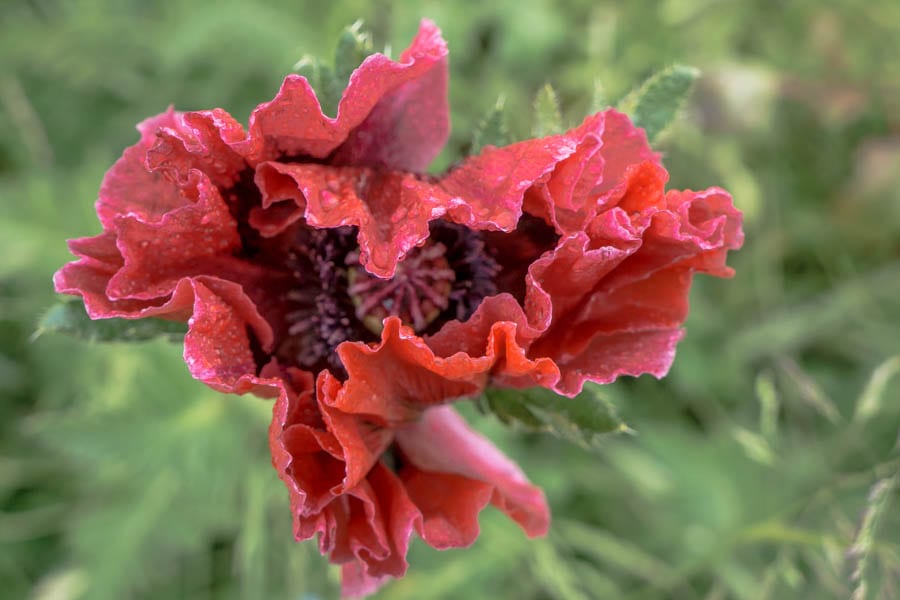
x=764, y=466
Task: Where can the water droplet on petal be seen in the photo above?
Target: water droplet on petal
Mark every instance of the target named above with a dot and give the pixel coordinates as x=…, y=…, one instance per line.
x=328, y=201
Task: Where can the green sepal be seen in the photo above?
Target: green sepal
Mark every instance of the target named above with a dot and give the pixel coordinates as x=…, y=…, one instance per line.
x=492, y=129
x=323, y=80
x=329, y=82
x=656, y=102
x=70, y=317
x=598, y=98
x=547, y=117
x=585, y=419
x=353, y=46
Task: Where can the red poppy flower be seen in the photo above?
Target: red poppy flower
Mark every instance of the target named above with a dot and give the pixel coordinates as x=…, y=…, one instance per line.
x=316, y=263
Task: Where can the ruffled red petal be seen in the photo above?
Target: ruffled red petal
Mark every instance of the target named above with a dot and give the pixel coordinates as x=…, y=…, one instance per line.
x=629, y=330
x=421, y=379
x=450, y=474
x=409, y=125
x=162, y=267
x=607, y=357
x=362, y=442
x=129, y=188
x=201, y=140
x=366, y=527
x=217, y=345
x=186, y=241
x=391, y=209
x=379, y=94
x=418, y=378
x=621, y=312
x=609, y=299
x=328, y=460
x=607, y=144
x=389, y=518
x=559, y=177
x=450, y=505
x=487, y=190
x=306, y=456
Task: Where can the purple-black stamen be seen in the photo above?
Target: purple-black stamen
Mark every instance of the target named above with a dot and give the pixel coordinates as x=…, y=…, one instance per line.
x=336, y=299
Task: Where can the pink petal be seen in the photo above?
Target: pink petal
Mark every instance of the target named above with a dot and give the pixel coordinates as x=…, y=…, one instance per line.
x=355, y=583
x=442, y=443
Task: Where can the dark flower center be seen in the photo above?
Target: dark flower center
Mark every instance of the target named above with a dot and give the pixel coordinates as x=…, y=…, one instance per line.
x=322, y=315
x=336, y=300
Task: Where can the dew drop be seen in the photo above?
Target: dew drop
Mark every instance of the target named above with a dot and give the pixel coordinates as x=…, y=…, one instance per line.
x=328, y=200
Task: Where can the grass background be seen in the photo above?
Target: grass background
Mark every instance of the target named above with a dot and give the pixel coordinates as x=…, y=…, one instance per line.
x=764, y=466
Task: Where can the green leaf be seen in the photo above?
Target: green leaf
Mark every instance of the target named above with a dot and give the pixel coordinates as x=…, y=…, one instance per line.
x=69, y=316
x=547, y=118
x=353, y=47
x=654, y=105
x=583, y=420
x=492, y=130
